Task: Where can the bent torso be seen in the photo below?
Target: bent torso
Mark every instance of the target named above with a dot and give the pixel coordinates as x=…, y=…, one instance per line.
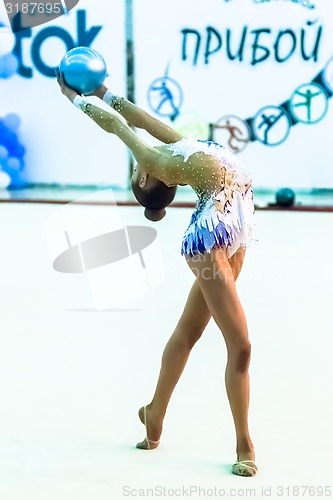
x=204, y=173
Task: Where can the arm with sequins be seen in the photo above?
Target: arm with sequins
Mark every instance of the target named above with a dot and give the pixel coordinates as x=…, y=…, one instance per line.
x=137, y=117
x=110, y=122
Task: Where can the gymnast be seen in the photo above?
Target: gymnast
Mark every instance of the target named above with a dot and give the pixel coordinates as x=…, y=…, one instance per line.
x=213, y=245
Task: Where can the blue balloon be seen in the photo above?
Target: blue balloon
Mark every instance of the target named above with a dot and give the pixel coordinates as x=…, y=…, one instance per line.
x=84, y=69
x=13, y=169
x=14, y=164
x=16, y=182
x=2, y=127
x=11, y=151
x=9, y=140
x=18, y=151
x=12, y=121
x=8, y=65
x=3, y=153
x=3, y=136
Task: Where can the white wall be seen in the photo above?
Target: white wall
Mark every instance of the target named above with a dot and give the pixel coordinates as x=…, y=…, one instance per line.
x=224, y=87
x=64, y=146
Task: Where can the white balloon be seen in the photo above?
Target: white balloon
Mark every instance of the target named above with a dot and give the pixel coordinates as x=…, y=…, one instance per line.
x=4, y=180
x=7, y=40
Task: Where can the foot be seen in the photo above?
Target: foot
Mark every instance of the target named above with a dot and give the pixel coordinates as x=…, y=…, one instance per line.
x=245, y=464
x=153, y=429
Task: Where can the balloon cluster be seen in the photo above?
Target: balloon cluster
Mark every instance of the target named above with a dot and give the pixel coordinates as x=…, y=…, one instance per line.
x=11, y=151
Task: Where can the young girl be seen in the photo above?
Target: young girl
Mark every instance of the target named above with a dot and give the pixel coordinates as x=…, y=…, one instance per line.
x=213, y=246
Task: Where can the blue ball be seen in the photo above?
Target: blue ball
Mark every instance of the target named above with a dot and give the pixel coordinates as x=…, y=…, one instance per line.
x=285, y=197
x=84, y=69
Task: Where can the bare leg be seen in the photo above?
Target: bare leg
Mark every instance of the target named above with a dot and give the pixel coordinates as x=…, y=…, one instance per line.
x=189, y=329
x=216, y=278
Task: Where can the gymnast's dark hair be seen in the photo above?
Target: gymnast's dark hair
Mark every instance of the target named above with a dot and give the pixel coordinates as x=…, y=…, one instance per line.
x=154, y=199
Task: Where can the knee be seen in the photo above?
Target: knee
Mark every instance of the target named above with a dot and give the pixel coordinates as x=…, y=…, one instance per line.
x=190, y=333
x=240, y=355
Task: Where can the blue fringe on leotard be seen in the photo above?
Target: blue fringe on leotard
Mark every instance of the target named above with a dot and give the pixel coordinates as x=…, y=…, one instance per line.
x=224, y=218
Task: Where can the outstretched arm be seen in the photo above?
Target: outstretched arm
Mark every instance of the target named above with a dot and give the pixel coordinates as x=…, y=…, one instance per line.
x=144, y=154
x=139, y=118
x=169, y=170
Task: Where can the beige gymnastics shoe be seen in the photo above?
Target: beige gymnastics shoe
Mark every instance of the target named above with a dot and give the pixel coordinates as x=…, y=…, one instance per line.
x=146, y=444
x=242, y=469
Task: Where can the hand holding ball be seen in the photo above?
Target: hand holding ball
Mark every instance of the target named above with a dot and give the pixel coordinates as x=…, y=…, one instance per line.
x=84, y=69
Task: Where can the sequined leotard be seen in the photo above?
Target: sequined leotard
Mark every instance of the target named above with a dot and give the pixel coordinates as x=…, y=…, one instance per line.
x=225, y=217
